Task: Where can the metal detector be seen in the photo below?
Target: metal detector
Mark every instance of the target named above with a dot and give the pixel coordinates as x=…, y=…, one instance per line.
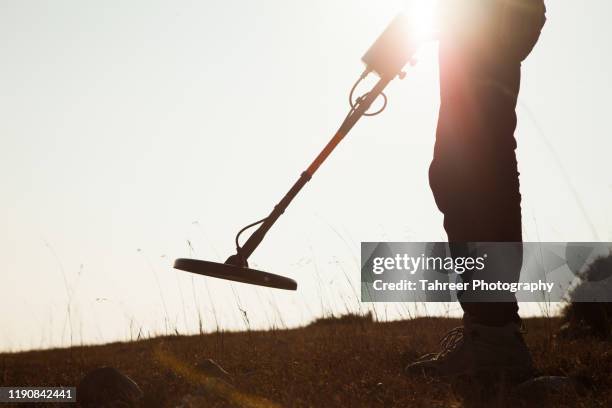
x=386, y=57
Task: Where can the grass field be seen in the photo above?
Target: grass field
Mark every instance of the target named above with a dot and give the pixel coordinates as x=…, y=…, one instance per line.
x=349, y=362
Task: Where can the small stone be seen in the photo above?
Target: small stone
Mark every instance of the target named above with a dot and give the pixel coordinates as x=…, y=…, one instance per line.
x=108, y=387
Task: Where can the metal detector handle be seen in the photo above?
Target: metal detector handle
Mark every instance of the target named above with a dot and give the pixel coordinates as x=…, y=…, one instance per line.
x=240, y=259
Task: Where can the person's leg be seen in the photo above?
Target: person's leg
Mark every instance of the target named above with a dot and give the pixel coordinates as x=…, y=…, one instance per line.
x=474, y=175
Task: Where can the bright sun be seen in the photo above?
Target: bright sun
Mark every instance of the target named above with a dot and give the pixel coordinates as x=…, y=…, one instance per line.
x=421, y=14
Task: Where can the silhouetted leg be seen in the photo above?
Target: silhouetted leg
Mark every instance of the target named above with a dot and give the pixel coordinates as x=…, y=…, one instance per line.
x=474, y=174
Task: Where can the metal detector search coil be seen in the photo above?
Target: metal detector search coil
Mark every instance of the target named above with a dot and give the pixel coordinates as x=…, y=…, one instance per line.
x=387, y=57
x=237, y=274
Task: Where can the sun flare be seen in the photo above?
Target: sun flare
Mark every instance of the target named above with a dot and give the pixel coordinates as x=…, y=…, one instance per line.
x=421, y=15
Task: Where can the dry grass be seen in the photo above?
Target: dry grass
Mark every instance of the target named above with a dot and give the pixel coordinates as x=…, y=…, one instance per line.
x=344, y=363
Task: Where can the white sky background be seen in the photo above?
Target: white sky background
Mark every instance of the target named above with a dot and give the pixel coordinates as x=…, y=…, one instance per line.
x=122, y=123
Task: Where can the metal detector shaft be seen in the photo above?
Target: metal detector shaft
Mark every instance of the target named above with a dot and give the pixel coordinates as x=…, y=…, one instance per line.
x=255, y=239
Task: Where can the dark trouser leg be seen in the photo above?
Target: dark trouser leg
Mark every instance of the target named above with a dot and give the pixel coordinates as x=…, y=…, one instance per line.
x=474, y=173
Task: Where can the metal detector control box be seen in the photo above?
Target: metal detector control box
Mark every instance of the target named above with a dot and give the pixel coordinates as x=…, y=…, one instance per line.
x=392, y=49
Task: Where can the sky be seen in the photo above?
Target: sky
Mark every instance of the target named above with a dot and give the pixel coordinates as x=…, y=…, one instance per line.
x=135, y=132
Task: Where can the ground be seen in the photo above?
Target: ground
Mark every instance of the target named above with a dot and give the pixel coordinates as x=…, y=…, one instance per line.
x=350, y=362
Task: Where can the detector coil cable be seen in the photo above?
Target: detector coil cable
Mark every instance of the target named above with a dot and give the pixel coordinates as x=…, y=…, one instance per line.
x=354, y=103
